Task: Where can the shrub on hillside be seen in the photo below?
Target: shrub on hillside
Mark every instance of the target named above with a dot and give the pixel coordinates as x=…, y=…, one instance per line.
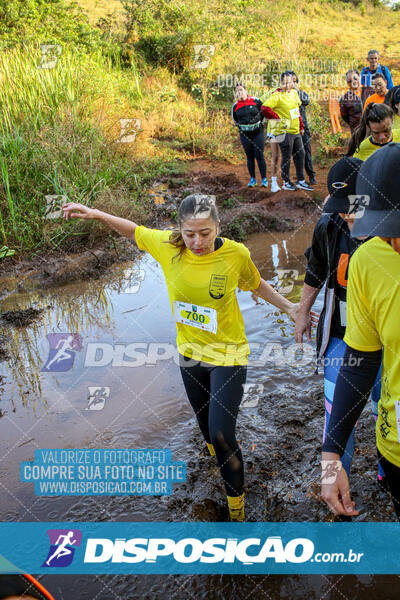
x=55, y=22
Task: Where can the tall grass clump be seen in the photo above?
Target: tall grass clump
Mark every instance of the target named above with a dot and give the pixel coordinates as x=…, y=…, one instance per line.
x=55, y=140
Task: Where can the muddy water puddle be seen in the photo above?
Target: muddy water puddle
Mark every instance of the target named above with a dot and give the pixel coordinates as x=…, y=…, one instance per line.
x=76, y=377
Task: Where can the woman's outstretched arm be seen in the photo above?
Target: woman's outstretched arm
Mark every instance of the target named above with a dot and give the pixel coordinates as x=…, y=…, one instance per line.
x=124, y=227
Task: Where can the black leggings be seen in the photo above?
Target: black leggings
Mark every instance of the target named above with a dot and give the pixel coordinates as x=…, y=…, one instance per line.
x=215, y=394
x=392, y=473
x=253, y=145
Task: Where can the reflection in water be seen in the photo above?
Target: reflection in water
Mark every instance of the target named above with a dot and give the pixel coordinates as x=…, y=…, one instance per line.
x=79, y=307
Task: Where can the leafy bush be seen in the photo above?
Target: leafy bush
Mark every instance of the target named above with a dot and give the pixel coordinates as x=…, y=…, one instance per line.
x=171, y=50
x=54, y=22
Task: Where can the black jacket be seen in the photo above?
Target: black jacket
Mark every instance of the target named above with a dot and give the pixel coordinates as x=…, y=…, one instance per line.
x=351, y=109
x=305, y=101
x=321, y=268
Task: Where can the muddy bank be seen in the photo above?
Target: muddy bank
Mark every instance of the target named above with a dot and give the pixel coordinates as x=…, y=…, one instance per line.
x=242, y=210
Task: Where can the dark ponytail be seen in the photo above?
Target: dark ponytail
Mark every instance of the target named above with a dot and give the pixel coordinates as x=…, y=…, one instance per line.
x=392, y=98
x=374, y=113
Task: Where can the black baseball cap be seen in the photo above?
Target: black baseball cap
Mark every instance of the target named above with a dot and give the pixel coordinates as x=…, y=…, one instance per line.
x=379, y=183
x=342, y=184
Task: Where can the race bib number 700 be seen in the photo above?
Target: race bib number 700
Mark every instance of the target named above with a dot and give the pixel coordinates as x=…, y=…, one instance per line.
x=200, y=317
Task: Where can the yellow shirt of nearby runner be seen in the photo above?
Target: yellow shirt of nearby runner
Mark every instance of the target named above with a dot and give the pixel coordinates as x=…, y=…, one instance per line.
x=367, y=146
x=373, y=309
x=202, y=292
x=286, y=105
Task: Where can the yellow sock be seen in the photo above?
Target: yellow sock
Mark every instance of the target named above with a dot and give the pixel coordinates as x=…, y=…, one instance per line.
x=236, y=508
x=210, y=449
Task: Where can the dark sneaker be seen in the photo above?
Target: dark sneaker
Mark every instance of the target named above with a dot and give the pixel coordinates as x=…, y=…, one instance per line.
x=288, y=185
x=303, y=185
x=312, y=181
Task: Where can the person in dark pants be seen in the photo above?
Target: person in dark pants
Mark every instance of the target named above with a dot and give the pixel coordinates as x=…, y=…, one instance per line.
x=327, y=264
x=372, y=332
x=203, y=272
x=248, y=115
x=351, y=107
x=305, y=101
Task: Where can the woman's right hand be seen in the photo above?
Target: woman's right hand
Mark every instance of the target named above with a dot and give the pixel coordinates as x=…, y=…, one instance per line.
x=81, y=211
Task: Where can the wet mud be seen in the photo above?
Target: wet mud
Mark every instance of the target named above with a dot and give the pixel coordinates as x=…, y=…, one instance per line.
x=279, y=433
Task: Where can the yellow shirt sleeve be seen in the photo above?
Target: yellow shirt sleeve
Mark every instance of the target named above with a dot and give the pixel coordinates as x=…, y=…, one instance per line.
x=361, y=333
x=271, y=101
x=151, y=240
x=365, y=150
x=249, y=275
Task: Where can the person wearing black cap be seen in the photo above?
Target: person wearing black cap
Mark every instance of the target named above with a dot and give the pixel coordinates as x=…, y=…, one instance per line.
x=373, y=308
x=327, y=262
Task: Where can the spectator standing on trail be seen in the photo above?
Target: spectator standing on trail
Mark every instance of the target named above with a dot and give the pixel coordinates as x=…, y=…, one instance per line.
x=351, y=107
x=367, y=73
x=305, y=101
x=380, y=87
x=248, y=115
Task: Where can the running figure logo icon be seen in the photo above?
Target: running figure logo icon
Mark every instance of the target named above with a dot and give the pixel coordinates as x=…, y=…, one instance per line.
x=62, y=351
x=252, y=393
x=330, y=470
x=63, y=543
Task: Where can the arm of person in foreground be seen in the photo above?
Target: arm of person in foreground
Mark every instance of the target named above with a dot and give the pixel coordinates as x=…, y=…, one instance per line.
x=305, y=317
x=353, y=386
x=124, y=227
x=268, y=293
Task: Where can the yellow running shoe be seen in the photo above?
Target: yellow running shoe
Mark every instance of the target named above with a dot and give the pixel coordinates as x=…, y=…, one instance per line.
x=236, y=508
x=210, y=449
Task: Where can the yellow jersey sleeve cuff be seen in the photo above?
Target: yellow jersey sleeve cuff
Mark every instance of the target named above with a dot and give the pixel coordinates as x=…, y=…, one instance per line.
x=361, y=347
x=138, y=237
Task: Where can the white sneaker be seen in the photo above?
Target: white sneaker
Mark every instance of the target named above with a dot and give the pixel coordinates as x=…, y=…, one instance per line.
x=274, y=186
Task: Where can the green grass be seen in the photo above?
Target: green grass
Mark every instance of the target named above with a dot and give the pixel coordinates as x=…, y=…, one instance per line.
x=58, y=127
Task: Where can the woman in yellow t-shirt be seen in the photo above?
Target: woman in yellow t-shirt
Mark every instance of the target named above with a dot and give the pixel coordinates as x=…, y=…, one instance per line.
x=378, y=118
x=286, y=103
x=202, y=272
